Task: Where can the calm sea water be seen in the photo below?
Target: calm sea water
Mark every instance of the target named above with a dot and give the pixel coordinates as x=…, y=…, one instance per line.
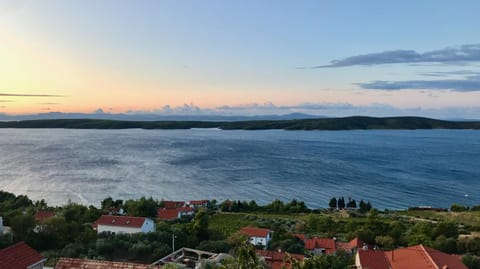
x=392, y=169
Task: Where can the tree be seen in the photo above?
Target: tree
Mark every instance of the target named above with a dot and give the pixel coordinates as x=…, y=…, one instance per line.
x=447, y=229
x=22, y=225
x=385, y=242
x=458, y=208
x=341, y=203
x=200, y=225
x=333, y=203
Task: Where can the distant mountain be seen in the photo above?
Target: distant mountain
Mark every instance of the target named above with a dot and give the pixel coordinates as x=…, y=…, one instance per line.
x=347, y=123
x=152, y=117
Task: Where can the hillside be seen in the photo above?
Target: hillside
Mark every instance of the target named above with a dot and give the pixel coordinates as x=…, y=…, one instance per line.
x=347, y=123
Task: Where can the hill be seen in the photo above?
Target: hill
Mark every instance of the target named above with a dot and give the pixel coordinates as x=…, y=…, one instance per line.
x=347, y=123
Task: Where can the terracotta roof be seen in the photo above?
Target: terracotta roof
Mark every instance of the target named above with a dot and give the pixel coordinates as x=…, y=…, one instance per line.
x=349, y=246
x=422, y=257
x=122, y=221
x=373, y=259
x=300, y=236
x=167, y=213
x=442, y=259
x=19, y=256
x=198, y=202
x=276, y=259
x=70, y=263
x=326, y=243
x=42, y=215
x=256, y=232
x=173, y=204
x=185, y=209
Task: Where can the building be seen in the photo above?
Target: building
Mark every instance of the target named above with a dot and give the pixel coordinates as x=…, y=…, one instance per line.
x=173, y=204
x=191, y=258
x=277, y=260
x=318, y=246
x=124, y=224
x=174, y=213
x=21, y=256
x=43, y=215
x=415, y=257
x=198, y=203
x=70, y=263
x=352, y=246
x=1, y=225
x=257, y=236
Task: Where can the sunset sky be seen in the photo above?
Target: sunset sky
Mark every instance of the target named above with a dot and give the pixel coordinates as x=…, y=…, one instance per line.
x=241, y=57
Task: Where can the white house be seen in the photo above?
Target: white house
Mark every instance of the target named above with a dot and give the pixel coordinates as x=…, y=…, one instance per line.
x=257, y=236
x=124, y=224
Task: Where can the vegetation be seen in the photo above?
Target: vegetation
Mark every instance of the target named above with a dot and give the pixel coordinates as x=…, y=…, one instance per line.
x=69, y=233
x=348, y=123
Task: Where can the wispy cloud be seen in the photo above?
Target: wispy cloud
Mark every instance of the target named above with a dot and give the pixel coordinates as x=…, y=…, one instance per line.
x=468, y=84
x=48, y=103
x=29, y=95
x=5, y=101
x=450, y=55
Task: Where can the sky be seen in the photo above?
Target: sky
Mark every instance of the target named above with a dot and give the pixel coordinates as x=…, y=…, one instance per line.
x=333, y=58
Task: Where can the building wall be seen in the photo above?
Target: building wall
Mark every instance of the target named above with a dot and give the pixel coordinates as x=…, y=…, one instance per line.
x=357, y=261
x=148, y=226
x=260, y=241
x=1, y=225
x=118, y=229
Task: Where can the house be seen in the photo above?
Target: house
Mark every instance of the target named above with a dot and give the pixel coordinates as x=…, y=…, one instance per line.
x=124, y=224
x=189, y=258
x=257, y=236
x=318, y=246
x=71, y=263
x=277, y=260
x=21, y=256
x=198, y=203
x=415, y=257
x=43, y=215
x=173, y=204
x=174, y=213
x=1, y=225
x=352, y=246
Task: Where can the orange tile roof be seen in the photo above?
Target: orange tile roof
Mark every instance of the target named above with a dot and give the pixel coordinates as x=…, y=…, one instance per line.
x=122, y=221
x=167, y=213
x=70, y=263
x=198, y=202
x=326, y=243
x=422, y=258
x=373, y=259
x=19, y=256
x=173, y=204
x=255, y=232
x=349, y=246
x=276, y=259
x=43, y=215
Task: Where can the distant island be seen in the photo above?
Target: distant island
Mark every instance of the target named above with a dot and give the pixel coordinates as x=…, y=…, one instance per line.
x=347, y=123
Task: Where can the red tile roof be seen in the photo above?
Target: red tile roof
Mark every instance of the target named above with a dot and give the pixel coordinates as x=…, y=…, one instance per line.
x=255, y=232
x=19, y=256
x=185, y=209
x=373, y=259
x=316, y=243
x=122, y=221
x=43, y=215
x=276, y=259
x=349, y=246
x=70, y=263
x=167, y=213
x=198, y=202
x=422, y=257
x=173, y=204
x=300, y=236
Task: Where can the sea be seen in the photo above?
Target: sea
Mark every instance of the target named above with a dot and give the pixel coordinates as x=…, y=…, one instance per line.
x=393, y=169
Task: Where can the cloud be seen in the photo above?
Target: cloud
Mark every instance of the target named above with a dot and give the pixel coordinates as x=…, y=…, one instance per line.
x=468, y=84
x=49, y=103
x=450, y=55
x=451, y=73
x=5, y=101
x=29, y=95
